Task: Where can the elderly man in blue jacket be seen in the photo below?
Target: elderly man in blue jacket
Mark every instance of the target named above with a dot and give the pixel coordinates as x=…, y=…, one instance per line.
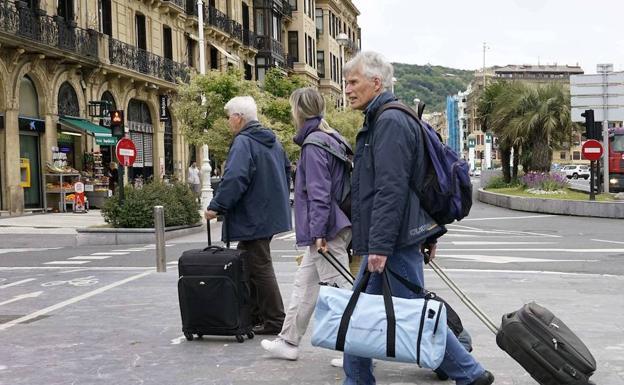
x=254, y=196
x=389, y=226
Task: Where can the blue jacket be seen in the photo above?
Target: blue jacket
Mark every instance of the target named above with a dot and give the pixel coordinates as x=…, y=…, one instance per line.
x=318, y=187
x=254, y=191
x=385, y=211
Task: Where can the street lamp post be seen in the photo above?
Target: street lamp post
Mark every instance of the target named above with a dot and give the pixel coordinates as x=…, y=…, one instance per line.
x=394, y=80
x=343, y=40
x=206, y=190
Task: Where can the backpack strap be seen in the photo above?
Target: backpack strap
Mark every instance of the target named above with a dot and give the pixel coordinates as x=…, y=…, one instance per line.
x=319, y=143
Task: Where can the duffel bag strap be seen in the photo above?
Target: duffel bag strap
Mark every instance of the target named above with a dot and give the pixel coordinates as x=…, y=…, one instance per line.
x=408, y=284
x=390, y=317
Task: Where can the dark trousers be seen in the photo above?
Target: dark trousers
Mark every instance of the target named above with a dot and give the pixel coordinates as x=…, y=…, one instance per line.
x=267, y=305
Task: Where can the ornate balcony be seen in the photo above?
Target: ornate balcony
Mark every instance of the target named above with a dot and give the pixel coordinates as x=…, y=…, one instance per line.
x=139, y=60
x=265, y=43
x=220, y=21
x=50, y=31
x=177, y=5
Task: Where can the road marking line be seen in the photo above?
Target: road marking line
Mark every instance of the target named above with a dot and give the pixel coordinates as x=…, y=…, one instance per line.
x=130, y=250
x=545, y=250
x=75, y=268
x=24, y=250
x=109, y=253
x=66, y=262
x=70, y=301
x=290, y=256
x=530, y=272
x=172, y=263
x=506, y=259
x=17, y=283
x=604, y=240
x=289, y=235
x=177, y=341
x=515, y=233
x=500, y=243
x=94, y=257
x=505, y=218
x=21, y=297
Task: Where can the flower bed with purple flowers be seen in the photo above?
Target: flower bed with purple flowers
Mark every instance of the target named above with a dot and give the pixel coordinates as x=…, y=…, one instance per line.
x=543, y=181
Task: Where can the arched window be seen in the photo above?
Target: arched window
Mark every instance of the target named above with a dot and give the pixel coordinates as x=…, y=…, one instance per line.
x=28, y=98
x=68, y=101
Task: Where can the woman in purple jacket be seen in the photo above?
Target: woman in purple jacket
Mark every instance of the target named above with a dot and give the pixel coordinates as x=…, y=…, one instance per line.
x=319, y=222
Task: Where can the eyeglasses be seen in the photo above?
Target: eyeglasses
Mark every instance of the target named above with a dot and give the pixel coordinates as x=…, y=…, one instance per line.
x=235, y=114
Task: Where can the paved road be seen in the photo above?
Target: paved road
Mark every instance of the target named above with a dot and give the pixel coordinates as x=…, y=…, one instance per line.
x=101, y=315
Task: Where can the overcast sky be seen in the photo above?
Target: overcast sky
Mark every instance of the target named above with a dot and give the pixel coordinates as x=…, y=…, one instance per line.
x=451, y=32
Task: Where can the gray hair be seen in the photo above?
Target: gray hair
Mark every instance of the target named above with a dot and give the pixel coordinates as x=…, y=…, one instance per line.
x=372, y=65
x=308, y=103
x=244, y=106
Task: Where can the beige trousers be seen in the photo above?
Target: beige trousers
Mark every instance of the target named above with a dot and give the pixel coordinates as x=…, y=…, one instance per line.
x=314, y=268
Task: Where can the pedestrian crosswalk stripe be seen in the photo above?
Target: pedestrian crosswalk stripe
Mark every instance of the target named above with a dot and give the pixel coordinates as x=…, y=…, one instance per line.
x=111, y=253
x=466, y=243
x=93, y=257
x=66, y=262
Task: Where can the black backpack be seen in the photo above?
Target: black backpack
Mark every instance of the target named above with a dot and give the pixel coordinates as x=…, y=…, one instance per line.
x=345, y=195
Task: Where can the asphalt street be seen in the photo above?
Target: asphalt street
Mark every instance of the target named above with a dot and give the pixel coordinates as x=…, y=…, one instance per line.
x=102, y=315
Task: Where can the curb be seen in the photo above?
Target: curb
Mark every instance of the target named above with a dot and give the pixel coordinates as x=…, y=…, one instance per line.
x=108, y=236
x=613, y=210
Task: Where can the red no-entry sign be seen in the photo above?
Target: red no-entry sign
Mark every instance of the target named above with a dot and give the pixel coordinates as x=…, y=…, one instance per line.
x=592, y=150
x=126, y=152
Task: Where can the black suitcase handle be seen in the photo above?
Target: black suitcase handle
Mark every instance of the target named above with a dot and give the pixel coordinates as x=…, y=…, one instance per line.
x=227, y=233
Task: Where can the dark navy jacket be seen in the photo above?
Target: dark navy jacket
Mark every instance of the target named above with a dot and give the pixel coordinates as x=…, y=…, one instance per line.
x=386, y=212
x=254, y=192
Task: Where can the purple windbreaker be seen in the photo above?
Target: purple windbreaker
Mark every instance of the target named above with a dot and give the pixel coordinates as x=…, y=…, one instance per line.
x=318, y=185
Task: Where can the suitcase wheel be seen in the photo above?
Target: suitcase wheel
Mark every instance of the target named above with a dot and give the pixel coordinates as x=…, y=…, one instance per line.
x=240, y=338
x=189, y=336
x=200, y=336
x=250, y=335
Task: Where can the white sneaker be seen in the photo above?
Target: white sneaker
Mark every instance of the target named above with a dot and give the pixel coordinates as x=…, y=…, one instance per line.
x=336, y=362
x=279, y=348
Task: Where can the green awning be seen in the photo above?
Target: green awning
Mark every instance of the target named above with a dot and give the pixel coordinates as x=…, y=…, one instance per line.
x=86, y=126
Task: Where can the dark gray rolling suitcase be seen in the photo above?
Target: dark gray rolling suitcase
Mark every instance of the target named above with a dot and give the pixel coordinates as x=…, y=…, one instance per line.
x=539, y=341
x=214, y=294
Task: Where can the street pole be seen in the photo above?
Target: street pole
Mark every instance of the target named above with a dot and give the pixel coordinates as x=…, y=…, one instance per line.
x=605, y=69
x=206, y=190
x=159, y=230
x=592, y=195
x=484, y=48
x=344, y=86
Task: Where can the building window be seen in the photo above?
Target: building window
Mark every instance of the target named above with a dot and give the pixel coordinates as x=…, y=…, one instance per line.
x=576, y=155
x=293, y=4
x=141, y=36
x=562, y=155
x=276, y=24
x=319, y=20
x=260, y=21
x=167, y=43
x=68, y=101
x=214, y=58
x=293, y=45
x=320, y=63
x=65, y=9
x=105, y=16
x=190, y=52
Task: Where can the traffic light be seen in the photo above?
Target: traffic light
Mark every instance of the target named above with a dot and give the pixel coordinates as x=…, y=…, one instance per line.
x=117, y=122
x=590, y=126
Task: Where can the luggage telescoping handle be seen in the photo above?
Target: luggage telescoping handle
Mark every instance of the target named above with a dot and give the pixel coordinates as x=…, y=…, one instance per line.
x=464, y=298
x=227, y=233
x=337, y=265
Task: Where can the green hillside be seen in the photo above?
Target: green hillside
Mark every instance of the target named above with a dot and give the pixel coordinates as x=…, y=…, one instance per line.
x=431, y=84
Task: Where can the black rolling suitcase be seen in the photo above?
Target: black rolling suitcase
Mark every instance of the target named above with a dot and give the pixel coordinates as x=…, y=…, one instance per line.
x=213, y=290
x=539, y=341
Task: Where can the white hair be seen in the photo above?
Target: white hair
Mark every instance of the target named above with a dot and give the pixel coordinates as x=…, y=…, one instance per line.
x=372, y=65
x=245, y=106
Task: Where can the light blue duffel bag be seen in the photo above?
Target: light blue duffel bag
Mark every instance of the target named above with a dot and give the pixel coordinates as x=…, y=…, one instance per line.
x=381, y=326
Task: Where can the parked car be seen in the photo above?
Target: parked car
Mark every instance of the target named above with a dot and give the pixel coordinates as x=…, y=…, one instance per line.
x=475, y=172
x=575, y=171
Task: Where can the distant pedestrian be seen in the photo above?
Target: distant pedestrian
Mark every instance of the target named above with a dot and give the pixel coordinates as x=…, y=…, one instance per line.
x=193, y=179
x=319, y=222
x=113, y=177
x=253, y=195
x=389, y=226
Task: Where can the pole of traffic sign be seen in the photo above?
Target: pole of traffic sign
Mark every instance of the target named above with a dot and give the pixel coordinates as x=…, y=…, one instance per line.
x=592, y=194
x=120, y=179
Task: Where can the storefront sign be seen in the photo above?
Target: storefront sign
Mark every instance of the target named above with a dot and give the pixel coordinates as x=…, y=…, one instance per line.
x=79, y=197
x=106, y=140
x=32, y=125
x=163, y=102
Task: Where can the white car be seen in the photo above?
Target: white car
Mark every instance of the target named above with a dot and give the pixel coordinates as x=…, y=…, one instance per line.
x=575, y=171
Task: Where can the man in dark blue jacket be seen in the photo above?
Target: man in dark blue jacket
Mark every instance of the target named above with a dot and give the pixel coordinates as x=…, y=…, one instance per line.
x=389, y=226
x=254, y=196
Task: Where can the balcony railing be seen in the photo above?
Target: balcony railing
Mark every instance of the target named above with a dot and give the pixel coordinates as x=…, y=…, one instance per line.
x=179, y=3
x=191, y=7
x=139, y=60
x=220, y=21
x=265, y=43
x=53, y=32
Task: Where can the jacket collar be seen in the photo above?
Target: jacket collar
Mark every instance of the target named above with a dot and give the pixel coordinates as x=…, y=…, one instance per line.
x=249, y=125
x=309, y=126
x=374, y=106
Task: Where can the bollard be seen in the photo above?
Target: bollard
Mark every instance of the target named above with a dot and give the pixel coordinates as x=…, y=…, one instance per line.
x=159, y=230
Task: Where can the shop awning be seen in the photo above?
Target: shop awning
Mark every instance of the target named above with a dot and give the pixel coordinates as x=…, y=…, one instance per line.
x=102, y=134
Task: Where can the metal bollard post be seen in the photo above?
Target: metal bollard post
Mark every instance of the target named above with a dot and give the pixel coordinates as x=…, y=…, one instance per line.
x=159, y=229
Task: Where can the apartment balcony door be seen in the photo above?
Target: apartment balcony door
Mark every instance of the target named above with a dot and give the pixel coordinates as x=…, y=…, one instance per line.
x=141, y=43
